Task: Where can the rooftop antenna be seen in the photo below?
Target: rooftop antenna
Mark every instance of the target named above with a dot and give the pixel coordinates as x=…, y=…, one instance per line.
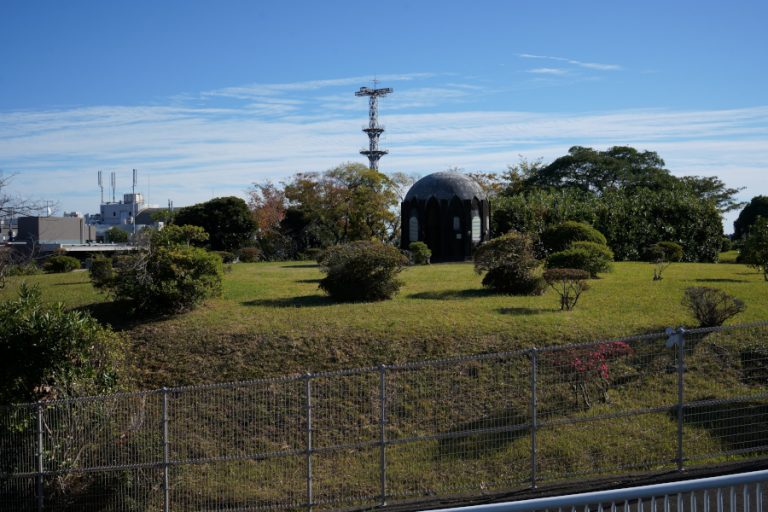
x=113, y=182
x=373, y=130
x=133, y=200
x=101, y=187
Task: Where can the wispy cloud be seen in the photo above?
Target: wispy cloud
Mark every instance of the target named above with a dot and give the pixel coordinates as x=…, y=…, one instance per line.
x=193, y=151
x=587, y=65
x=548, y=71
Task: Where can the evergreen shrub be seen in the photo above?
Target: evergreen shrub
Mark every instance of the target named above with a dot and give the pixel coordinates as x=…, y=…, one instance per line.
x=510, y=265
x=420, y=253
x=361, y=271
x=560, y=237
x=58, y=264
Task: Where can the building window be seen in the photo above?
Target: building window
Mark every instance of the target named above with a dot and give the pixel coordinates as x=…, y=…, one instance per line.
x=456, y=223
x=413, y=229
x=476, y=231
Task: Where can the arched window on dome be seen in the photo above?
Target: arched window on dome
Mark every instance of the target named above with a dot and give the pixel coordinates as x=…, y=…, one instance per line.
x=413, y=227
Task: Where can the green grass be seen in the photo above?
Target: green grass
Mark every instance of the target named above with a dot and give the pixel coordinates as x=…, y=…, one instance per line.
x=272, y=319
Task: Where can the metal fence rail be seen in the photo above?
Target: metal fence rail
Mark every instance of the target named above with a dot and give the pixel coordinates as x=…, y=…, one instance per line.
x=381, y=435
x=744, y=492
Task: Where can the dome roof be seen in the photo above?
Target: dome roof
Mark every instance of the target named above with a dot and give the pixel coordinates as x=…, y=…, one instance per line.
x=445, y=185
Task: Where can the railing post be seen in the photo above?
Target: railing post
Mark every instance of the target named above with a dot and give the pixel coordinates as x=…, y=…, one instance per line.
x=308, y=410
x=534, y=413
x=166, y=455
x=680, y=396
x=383, y=433
x=39, y=459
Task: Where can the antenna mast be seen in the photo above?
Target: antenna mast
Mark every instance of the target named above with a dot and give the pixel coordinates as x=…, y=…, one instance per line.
x=113, y=182
x=101, y=187
x=373, y=130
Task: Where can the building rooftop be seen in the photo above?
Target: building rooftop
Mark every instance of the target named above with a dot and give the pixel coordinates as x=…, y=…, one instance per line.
x=445, y=185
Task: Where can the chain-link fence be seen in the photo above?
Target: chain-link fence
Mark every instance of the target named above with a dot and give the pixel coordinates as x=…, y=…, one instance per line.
x=374, y=436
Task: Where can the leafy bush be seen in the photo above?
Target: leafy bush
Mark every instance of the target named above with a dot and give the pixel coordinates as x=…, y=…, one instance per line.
x=755, y=249
x=24, y=269
x=589, y=256
x=166, y=277
x=47, y=351
x=510, y=265
x=249, y=254
x=420, y=253
x=59, y=264
x=101, y=272
x=560, y=237
x=726, y=244
x=711, y=306
x=116, y=235
x=226, y=256
x=362, y=271
x=569, y=283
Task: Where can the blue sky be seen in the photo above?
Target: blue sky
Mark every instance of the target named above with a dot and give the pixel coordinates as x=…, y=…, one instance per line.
x=205, y=98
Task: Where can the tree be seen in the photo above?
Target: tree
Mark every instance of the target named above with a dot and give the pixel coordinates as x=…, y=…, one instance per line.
x=227, y=220
x=599, y=171
x=755, y=250
x=116, y=235
x=166, y=276
x=757, y=207
x=349, y=202
x=14, y=206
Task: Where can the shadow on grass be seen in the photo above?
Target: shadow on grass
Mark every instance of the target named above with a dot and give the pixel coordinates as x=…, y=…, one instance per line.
x=495, y=433
x=738, y=426
x=723, y=280
x=524, y=311
x=115, y=314
x=304, y=265
x=453, y=294
x=304, y=301
x=73, y=283
x=308, y=281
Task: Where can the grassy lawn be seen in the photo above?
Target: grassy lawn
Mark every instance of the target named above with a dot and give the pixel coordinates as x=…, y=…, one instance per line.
x=272, y=319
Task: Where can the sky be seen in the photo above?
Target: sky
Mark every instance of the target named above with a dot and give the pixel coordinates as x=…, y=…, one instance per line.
x=206, y=98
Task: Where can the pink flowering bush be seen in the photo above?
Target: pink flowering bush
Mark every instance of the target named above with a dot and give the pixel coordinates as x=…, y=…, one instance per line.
x=587, y=369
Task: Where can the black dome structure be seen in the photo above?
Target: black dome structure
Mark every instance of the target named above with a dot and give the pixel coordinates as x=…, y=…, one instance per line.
x=448, y=211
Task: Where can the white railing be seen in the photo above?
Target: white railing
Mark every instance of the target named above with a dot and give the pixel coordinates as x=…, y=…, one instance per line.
x=743, y=492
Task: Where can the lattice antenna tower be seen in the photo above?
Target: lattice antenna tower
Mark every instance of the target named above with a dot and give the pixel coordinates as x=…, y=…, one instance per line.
x=374, y=131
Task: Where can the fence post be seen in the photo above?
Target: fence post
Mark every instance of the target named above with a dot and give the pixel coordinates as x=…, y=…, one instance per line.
x=383, y=432
x=308, y=409
x=534, y=413
x=680, y=395
x=39, y=459
x=166, y=455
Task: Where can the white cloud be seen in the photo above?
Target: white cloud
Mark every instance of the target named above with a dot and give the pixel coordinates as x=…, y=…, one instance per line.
x=548, y=71
x=190, y=153
x=574, y=62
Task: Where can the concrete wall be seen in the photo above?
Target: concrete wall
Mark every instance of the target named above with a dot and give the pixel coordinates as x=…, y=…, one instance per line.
x=55, y=230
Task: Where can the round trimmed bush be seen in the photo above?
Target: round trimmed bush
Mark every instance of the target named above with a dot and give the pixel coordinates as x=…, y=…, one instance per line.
x=665, y=251
x=510, y=265
x=59, y=264
x=249, y=254
x=560, y=237
x=589, y=256
x=361, y=271
x=226, y=256
x=420, y=253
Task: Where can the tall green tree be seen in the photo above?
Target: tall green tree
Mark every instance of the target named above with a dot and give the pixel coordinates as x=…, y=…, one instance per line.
x=227, y=220
x=349, y=202
x=757, y=207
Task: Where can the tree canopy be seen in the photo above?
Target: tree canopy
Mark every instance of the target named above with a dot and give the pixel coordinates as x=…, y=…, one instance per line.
x=757, y=207
x=320, y=209
x=227, y=220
